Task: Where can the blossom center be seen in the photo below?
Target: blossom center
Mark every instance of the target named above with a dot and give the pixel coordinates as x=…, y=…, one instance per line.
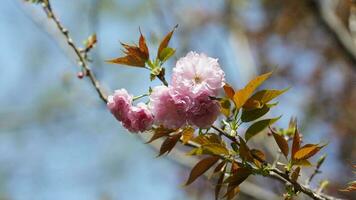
x=197, y=79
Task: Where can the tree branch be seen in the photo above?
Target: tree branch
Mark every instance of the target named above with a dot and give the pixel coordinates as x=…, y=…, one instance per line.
x=274, y=172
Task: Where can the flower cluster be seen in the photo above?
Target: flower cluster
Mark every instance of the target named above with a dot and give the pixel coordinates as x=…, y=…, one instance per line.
x=135, y=118
x=187, y=101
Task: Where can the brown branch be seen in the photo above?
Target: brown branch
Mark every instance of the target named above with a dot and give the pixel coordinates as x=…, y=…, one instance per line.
x=46, y=5
x=274, y=172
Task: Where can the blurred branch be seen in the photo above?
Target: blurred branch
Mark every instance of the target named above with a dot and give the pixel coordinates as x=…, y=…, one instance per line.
x=46, y=5
x=326, y=11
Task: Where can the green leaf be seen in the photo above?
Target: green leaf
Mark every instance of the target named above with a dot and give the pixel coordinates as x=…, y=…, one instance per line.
x=225, y=106
x=187, y=134
x=241, y=96
x=262, y=97
x=201, y=167
x=166, y=54
x=165, y=43
x=250, y=115
x=259, y=126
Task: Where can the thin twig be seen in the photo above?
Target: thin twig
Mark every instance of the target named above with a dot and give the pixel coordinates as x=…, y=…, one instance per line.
x=46, y=5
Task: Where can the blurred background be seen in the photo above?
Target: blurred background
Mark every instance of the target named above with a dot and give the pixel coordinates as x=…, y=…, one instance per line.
x=58, y=141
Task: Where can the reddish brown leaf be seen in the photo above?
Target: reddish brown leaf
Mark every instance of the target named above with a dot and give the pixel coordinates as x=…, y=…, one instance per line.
x=281, y=142
x=296, y=142
x=241, y=96
x=134, y=55
x=220, y=166
x=229, y=91
x=232, y=191
x=295, y=174
x=219, y=183
x=350, y=188
x=245, y=153
x=239, y=176
x=143, y=46
x=169, y=143
x=259, y=154
x=160, y=132
x=165, y=43
x=307, y=151
x=201, y=167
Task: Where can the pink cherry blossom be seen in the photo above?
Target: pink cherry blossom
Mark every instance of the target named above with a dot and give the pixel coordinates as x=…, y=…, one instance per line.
x=119, y=104
x=198, y=73
x=204, y=111
x=140, y=117
x=169, y=107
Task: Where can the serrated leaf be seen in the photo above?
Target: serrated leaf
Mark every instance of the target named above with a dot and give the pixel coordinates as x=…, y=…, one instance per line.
x=169, y=143
x=135, y=56
x=259, y=126
x=281, y=142
x=307, y=151
x=241, y=96
x=250, y=115
x=201, y=167
x=262, y=97
x=229, y=91
x=187, y=134
x=208, y=138
x=350, y=188
x=166, y=53
x=225, y=106
x=165, y=43
x=296, y=142
x=295, y=174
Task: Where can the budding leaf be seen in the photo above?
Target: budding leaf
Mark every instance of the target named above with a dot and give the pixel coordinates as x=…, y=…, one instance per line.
x=134, y=55
x=164, y=44
x=259, y=126
x=201, y=167
x=166, y=53
x=241, y=96
x=296, y=142
x=295, y=174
